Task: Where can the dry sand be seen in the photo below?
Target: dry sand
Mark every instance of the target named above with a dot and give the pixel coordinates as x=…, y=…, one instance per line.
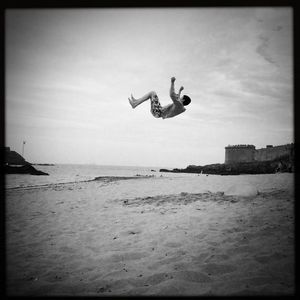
x=201, y=235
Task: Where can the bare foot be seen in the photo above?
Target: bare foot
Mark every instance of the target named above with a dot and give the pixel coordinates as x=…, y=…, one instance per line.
x=131, y=103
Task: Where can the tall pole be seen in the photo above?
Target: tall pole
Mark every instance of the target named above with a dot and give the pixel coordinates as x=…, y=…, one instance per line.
x=24, y=142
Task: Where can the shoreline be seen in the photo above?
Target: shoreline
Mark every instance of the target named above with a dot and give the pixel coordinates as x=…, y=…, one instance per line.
x=98, y=178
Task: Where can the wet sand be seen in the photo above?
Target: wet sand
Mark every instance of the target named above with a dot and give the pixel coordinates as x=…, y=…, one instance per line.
x=201, y=235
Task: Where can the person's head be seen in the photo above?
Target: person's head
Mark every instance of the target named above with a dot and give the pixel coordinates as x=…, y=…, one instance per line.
x=185, y=100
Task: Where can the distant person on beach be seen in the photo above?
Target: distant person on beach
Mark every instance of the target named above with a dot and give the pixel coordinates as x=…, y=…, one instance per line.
x=164, y=112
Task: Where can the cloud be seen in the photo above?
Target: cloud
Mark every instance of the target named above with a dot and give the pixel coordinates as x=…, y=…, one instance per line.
x=263, y=48
x=267, y=89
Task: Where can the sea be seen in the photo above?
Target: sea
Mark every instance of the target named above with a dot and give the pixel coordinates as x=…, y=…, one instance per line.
x=71, y=173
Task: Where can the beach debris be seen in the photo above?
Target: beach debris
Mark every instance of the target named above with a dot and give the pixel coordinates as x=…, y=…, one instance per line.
x=33, y=278
x=233, y=200
x=132, y=232
x=104, y=289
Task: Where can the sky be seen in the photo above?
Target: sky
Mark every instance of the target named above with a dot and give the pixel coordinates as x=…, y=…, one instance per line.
x=69, y=73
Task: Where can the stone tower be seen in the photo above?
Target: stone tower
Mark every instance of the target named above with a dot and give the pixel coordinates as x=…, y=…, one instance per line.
x=239, y=153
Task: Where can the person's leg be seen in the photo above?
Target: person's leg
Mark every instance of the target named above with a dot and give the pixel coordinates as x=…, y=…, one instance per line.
x=135, y=102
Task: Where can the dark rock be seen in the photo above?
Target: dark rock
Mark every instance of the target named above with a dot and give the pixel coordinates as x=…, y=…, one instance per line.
x=280, y=164
x=25, y=169
x=14, y=158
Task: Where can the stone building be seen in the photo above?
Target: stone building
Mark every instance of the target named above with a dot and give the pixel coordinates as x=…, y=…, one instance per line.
x=248, y=153
x=239, y=153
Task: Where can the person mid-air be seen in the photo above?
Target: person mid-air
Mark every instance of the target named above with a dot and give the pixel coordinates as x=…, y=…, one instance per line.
x=167, y=111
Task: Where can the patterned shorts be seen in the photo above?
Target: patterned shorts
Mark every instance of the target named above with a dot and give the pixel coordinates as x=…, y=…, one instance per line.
x=155, y=106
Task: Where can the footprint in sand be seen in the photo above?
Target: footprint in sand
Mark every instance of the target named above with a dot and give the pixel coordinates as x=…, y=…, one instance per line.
x=192, y=276
x=149, y=280
x=67, y=249
x=166, y=261
x=264, y=259
x=243, y=190
x=130, y=232
x=240, y=249
x=201, y=257
x=156, y=278
x=261, y=280
x=218, y=269
x=128, y=256
x=173, y=245
x=201, y=236
x=213, y=243
x=217, y=257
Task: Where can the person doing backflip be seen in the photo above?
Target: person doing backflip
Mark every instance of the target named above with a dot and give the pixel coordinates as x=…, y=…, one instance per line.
x=167, y=111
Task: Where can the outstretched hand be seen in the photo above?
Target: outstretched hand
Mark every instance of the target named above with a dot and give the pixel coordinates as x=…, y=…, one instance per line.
x=181, y=88
x=173, y=79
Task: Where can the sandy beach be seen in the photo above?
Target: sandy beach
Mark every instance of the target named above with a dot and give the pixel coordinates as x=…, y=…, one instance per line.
x=197, y=235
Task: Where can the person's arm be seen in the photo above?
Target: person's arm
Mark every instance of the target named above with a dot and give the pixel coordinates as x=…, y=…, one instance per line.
x=173, y=95
x=180, y=90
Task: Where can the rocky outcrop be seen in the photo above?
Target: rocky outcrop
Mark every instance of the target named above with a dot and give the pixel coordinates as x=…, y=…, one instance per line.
x=25, y=169
x=16, y=164
x=280, y=164
x=14, y=158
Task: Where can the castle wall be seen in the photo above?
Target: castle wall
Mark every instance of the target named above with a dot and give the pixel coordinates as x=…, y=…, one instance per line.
x=248, y=153
x=271, y=153
x=239, y=154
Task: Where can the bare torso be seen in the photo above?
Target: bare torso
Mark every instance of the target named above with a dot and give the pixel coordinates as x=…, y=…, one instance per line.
x=172, y=110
